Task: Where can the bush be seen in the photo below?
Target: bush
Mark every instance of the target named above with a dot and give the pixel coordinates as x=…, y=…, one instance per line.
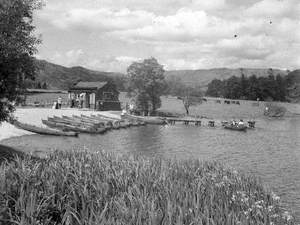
x=99, y=188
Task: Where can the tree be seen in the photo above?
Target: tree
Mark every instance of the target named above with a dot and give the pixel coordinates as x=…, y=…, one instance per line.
x=281, y=90
x=244, y=85
x=215, y=88
x=44, y=86
x=146, y=84
x=189, y=100
x=17, y=47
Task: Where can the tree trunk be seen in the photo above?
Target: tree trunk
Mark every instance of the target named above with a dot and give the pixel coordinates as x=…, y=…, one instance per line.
x=187, y=110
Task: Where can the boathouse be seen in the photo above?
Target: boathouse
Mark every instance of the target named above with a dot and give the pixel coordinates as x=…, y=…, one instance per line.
x=95, y=95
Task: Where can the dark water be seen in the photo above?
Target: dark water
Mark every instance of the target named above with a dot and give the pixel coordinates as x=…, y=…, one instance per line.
x=271, y=151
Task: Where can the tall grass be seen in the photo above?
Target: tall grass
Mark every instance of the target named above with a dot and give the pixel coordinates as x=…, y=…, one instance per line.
x=100, y=188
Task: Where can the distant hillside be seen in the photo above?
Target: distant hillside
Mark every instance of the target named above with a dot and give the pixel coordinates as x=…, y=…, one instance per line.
x=293, y=83
x=203, y=77
x=60, y=77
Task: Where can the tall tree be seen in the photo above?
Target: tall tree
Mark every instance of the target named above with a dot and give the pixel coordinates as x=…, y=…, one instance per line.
x=17, y=47
x=146, y=84
x=215, y=88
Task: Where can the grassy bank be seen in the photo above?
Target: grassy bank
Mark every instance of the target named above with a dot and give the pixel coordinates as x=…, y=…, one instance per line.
x=87, y=188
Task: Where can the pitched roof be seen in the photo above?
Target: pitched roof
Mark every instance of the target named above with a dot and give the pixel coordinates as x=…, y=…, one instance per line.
x=89, y=85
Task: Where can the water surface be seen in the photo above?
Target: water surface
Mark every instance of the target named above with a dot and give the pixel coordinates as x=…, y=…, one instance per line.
x=271, y=151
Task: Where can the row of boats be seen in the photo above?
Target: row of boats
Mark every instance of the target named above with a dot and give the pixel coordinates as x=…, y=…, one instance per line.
x=73, y=125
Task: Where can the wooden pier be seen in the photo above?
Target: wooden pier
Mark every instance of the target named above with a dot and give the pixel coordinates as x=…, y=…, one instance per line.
x=185, y=121
x=200, y=122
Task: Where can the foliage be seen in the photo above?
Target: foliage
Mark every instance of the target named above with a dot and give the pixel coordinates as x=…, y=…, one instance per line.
x=99, y=188
x=293, y=83
x=146, y=84
x=190, y=95
x=188, y=99
x=176, y=87
x=17, y=46
x=252, y=88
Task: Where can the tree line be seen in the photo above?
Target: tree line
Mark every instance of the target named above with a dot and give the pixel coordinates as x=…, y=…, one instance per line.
x=270, y=88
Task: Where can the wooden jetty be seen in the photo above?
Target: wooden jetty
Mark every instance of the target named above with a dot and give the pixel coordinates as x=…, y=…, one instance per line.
x=146, y=119
x=185, y=121
x=43, y=131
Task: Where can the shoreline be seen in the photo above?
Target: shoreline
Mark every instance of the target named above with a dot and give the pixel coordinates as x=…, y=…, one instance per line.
x=34, y=116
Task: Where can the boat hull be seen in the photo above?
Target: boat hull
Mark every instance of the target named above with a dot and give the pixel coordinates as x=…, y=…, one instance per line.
x=43, y=131
x=236, y=128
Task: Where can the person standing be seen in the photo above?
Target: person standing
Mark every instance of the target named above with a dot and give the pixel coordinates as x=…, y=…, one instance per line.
x=59, y=101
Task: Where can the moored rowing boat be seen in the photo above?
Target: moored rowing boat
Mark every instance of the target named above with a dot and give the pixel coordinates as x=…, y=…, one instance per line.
x=44, y=131
x=69, y=127
x=235, y=127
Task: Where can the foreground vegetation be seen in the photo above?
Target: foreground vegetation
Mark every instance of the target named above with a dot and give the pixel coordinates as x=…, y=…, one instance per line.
x=99, y=188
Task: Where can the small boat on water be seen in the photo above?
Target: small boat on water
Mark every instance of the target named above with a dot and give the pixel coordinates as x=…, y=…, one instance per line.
x=235, y=127
x=44, y=131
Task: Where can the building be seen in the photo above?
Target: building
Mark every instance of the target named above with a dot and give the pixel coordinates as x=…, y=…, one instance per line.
x=95, y=95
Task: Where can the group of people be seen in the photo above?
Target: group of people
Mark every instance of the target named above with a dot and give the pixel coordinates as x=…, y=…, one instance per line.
x=239, y=123
x=77, y=101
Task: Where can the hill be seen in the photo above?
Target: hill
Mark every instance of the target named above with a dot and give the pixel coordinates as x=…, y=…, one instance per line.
x=60, y=77
x=203, y=77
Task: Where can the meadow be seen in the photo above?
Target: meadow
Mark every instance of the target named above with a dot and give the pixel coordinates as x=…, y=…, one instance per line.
x=101, y=188
x=209, y=109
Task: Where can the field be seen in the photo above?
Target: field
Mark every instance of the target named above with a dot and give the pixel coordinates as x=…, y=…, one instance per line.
x=99, y=188
x=209, y=109
x=213, y=110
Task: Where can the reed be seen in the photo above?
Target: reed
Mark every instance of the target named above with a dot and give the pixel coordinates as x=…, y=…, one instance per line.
x=101, y=188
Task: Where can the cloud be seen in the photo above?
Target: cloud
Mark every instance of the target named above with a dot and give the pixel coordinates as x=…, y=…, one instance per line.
x=185, y=25
x=99, y=19
x=274, y=9
x=109, y=35
x=70, y=58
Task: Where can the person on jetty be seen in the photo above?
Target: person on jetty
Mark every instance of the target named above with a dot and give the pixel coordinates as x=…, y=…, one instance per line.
x=59, y=101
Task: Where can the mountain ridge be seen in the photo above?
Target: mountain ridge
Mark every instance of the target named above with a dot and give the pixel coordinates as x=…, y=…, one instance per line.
x=61, y=77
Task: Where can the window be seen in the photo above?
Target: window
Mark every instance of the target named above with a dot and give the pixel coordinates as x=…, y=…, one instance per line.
x=107, y=95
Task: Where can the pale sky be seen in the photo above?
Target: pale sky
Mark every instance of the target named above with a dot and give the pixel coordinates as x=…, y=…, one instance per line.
x=108, y=35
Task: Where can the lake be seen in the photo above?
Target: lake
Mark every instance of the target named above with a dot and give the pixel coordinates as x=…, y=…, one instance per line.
x=271, y=151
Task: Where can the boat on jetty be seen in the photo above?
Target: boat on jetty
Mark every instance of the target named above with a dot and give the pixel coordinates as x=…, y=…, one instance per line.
x=51, y=122
x=43, y=131
x=235, y=127
x=123, y=122
x=146, y=119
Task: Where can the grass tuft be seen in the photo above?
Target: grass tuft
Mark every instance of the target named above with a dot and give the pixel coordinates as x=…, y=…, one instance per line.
x=101, y=188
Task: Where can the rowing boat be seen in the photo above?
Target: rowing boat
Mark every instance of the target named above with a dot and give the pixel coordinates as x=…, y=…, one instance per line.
x=68, y=127
x=235, y=127
x=41, y=130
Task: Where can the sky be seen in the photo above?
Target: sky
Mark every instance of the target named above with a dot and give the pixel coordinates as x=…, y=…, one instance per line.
x=108, y=35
